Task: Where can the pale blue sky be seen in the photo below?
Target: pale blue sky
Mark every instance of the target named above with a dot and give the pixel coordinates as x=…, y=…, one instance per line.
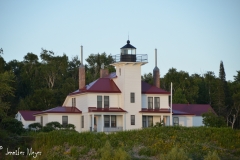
x=190, y=35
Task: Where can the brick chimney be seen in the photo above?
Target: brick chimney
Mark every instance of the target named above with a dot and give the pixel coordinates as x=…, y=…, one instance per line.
x=81, y=72
x=156, y=73
x=103, y=72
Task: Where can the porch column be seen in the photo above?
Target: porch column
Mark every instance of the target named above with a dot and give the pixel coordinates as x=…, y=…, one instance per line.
x=102, y=117
x=161, y=118
x=92, y=122
x=124, y=122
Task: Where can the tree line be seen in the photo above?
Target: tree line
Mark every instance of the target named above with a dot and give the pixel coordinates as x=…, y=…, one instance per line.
x=222, y=95
x=40, y=83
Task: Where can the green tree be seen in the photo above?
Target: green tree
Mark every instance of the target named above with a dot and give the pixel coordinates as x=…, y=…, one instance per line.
x=2, y=62
x=210, y=119
x=94, y=64
x=181, y=82
x=234, y=111
x=148, y=78
x=6, y=89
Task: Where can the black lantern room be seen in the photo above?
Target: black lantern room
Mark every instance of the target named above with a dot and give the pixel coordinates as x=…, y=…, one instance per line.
x=128, y=53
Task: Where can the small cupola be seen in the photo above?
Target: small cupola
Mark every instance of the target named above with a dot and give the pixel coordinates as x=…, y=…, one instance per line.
x=128, y=53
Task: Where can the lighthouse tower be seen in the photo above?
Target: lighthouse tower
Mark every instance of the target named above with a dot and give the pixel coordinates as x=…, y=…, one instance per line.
x=128, y=70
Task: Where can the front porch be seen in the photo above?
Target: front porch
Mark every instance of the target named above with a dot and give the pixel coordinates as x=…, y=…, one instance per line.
x=151, y=117
x=106, y=120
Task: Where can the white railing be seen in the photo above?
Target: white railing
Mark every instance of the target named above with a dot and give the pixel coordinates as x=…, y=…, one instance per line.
x=112, y=129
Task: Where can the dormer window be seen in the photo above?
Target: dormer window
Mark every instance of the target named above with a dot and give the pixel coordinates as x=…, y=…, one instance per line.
x=73, y=102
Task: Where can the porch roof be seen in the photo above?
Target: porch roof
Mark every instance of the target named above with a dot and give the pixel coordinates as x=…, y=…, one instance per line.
x=146, y=110
x=111, y=109
x=61, y=109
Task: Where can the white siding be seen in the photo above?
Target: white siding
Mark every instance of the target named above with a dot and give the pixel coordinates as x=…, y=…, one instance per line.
x=163, y=100
x=186, y=121
x=197, y=121
x=113, y=99
x=57, y=117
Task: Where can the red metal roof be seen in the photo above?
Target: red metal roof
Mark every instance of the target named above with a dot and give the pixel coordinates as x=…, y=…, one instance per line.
x=28, y=115
x=195, y=109
x=111, y=109
x=149, y=89
x=61, y=109
x=145, y=110
x=101, y=85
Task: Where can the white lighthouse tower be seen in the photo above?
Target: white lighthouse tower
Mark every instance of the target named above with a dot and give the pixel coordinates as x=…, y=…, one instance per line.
x=128, y=70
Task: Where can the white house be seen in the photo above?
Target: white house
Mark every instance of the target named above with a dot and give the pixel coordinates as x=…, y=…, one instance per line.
x=26, y=117
x=119, y=101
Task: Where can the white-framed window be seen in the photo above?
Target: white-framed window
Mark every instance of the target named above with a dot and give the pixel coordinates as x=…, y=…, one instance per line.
x=157, y=102
x=99, y=101
x=150, y=102
x=175, y=121
x=64, y=121
x=132, y=97
x=150, y=121
x=132, y=119
x=82, y=121
x=106, y=101
x=73, y=102
x=144, y=121
x=113, y=121
x=106, y=121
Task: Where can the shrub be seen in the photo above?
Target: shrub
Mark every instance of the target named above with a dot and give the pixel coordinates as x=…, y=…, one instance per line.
x=47, y=129
x=120, y=154
x=12, y=125
x=210, y=119
x=70, y=126
x=35, y=126
x=212, y=156
x=106, y=151
x=55, y=125
x=175, y=154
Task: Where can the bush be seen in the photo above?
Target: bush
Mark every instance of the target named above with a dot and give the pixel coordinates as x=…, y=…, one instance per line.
x=55, y=125
x=12, y=125
x=107, y=152
x=34, y=126
x=175, y=154
x=47, y=129
x=210, y=119
x=212, y=156
x=70, y=126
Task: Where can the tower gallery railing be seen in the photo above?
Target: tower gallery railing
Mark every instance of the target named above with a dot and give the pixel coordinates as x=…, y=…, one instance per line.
x=130, y=58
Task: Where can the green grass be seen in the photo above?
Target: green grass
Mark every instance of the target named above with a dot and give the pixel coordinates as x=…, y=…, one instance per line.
x=147, y=143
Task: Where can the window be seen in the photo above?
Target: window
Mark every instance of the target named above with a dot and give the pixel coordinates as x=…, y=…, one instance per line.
x=169, y=100
x=41, y=120
x=64, y=121
x=157, y=102
x=132, y=119
x=175, y=121
x=113, y=121
x=132, y=97
x=73, y=102
x=99, y=101
x=150, y=121
x=106, y=101
x=106, y=121
x=82, y=121
x=144, y=121
x=150, y=102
